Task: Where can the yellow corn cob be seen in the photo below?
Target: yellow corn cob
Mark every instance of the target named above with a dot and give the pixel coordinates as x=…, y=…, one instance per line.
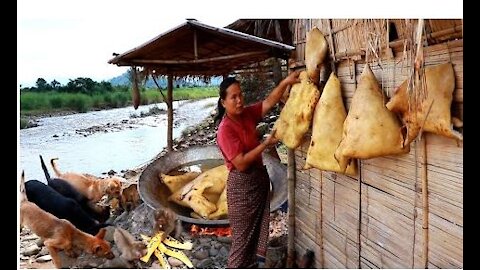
x=162, y=259
x=152, y=245
x=145, y=238
x=172, y=242
x=175, y=253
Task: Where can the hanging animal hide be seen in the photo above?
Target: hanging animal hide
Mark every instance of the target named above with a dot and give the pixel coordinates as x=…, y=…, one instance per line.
x=370, y=129
x=327, y=130
x=202, y=193
x=315, y=52
x=295, y=117
x=175, y=182
x=440, y=84
x=222, y=208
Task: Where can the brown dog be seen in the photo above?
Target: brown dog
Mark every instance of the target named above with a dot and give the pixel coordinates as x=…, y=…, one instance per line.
x=167, y=221
x=130, y=197
x=60, y=234
x=89, y=185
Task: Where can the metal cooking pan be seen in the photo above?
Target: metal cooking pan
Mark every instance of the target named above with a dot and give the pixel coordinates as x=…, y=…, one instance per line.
x=155, y=194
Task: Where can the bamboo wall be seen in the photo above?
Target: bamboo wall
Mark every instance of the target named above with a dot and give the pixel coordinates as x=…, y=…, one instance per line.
x=375, y=219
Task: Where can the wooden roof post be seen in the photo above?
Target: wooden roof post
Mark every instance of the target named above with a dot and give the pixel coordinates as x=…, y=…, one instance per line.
x=170, y=113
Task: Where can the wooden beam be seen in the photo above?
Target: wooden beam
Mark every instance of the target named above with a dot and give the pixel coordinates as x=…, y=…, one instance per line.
x=445, y=32
x=198, y=61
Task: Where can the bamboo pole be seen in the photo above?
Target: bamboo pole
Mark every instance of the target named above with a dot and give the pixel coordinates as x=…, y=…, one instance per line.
x=320, y=241
x=359, y=229
x=425, y=203
x=415, y=200
x=332, y=47
x=291, y=208
x=170, y=113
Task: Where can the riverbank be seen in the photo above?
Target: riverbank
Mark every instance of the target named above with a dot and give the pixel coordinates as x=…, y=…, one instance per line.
x=208, y=251
x=35, y=105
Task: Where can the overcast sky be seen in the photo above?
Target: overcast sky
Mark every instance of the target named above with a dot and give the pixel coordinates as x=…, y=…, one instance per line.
x=66, y=39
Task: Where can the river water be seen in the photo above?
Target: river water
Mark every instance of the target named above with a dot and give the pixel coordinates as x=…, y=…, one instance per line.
x=123, y=142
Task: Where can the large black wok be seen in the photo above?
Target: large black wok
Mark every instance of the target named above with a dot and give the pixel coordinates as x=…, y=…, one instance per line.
x=155, y=194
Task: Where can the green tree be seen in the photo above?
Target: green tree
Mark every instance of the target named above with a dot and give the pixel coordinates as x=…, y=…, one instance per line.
x=41, y=84
x=106, y=86
x=81, y=85
x=55, y=84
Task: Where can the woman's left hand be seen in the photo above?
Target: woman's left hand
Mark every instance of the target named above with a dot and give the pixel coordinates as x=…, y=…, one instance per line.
x=270, y=139
x=292, y=78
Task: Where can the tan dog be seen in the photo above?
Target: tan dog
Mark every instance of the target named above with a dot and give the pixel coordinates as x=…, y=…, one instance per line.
x=94, y=188
x=60, y=234
x=126, y=243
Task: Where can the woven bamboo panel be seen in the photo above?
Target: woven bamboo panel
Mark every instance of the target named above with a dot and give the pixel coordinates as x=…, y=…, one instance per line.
x=387, y=223
x=391, y=215
x=445, y=175
x=340, y=251
x=445, y=243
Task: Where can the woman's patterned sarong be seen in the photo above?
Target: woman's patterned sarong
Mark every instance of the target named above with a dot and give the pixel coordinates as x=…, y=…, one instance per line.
x=248, y=198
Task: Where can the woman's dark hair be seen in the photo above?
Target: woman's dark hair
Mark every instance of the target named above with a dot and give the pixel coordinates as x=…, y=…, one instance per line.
x=222, y=95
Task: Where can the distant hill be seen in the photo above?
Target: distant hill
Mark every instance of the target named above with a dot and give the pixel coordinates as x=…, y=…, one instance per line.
x=123, y=80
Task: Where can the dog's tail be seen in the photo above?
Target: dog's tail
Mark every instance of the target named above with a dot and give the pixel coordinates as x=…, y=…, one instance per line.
x=55, y=168
x=45, y=170
x=23, y=193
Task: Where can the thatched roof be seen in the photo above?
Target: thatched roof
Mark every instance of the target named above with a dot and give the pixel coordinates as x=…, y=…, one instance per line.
x=197, y=49
x=273, y=29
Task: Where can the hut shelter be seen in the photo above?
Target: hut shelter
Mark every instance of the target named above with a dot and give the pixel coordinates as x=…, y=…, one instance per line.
x=400, y=211
x=194, y=49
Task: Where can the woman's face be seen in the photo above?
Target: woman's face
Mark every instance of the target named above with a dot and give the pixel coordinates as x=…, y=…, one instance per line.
x=233, y=102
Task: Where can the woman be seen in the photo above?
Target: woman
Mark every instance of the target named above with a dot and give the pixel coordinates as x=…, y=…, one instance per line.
x=248, y=183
